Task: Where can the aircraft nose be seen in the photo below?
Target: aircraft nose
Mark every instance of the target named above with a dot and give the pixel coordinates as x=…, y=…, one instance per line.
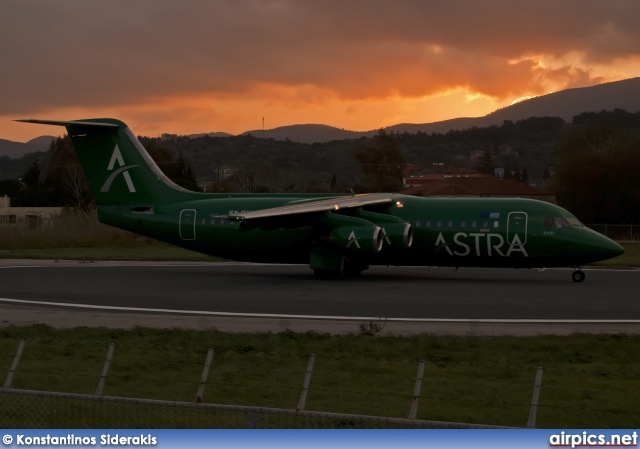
x=608, y=249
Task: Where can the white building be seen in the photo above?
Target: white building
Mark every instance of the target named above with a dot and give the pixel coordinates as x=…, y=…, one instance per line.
x=29, y=217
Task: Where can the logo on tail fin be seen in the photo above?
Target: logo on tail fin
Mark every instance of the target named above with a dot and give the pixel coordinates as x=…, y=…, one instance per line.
x=117, y=157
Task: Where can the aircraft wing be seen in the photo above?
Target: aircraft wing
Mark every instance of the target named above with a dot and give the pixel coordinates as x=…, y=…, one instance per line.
x=337, y=203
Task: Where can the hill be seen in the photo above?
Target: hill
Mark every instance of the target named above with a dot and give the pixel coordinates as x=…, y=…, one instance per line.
x=566, y=104
x=213, y=134
x=623, y=94
x=307, y=133
x=15, y=150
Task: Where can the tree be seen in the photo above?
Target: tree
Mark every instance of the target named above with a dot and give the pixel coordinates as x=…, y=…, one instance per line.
x=178, y=171
x=597, y=172
x=78, y=186
x=31, y=176
x=66, y=177
x=10, y=187
x=487, y=164
x=244, y=179
x=334, y=183
x=383, y=164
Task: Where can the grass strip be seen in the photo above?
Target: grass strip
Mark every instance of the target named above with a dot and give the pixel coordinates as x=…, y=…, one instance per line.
x=143, y=251
x=590, y=381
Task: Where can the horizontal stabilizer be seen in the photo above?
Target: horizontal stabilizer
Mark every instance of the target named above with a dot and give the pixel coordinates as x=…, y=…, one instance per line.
x=68, y=123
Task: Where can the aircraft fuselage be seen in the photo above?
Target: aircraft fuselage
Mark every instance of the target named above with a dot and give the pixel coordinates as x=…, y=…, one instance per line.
x=456, y=232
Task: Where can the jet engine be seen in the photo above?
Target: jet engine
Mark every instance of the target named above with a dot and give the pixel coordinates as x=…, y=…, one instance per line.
x=357, y=239
x=396, y=233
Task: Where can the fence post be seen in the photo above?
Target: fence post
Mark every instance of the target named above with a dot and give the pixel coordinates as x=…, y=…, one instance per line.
x=14, y=365
x=205, y=375
x=416, y=390
x=531, y=424
x=105, y=369
x=307, y=381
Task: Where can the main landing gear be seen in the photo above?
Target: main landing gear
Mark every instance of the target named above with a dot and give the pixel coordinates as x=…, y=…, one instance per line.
x=328, y=263
x=353, y=269
x=349, y=269
x=578, y=275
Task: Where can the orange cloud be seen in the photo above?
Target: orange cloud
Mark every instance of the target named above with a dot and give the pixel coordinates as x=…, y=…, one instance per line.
x=351, y=64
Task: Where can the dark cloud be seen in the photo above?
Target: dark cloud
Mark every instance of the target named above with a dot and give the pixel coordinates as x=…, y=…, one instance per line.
x=79, y=53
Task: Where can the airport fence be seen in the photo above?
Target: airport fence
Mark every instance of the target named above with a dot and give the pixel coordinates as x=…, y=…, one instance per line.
x=316, y=398
x=617, y=231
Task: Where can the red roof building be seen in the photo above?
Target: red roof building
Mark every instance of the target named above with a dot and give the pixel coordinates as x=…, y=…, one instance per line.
x=465, y=182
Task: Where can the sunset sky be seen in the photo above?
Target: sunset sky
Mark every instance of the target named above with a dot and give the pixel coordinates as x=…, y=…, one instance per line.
x=192, y=66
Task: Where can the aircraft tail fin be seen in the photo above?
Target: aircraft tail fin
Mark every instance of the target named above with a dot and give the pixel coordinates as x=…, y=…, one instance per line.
x=118, y=168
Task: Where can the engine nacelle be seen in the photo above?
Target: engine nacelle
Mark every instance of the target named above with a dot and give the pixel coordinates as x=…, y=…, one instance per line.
x=397, y=235
x=357, y=239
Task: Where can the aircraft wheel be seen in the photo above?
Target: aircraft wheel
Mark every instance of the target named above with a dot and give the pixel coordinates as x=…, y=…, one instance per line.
x=577, y=276
x=325, y=275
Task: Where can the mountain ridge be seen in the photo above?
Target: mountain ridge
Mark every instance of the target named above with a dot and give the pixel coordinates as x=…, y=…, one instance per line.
x=16, y=150
x=624, y=94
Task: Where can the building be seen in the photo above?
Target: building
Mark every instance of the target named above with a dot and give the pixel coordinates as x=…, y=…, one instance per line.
x=414, y=176
x=464, y=182
x=28, y=217
x=166, y=136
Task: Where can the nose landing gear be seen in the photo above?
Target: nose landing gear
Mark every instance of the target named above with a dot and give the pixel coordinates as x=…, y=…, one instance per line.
x=578, y=275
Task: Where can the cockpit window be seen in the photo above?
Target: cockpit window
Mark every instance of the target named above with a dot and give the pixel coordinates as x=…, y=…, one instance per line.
x=560, y=222
x=573, y=221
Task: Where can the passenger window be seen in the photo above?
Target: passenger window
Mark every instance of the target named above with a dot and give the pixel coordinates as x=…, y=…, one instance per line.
x=450, y=223
x=463, y=224
x=560, y=222
x=485, y=224
x=473, y=224
x=548, y=222
x=417, y=223
x=439, y=224
x=428, y=223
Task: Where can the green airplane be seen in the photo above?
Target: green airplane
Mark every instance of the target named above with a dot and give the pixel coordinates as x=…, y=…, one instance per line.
x=332, y=233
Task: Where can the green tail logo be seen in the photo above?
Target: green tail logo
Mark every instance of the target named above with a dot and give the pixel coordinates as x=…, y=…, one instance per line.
x=123, y=169
x=108, y=149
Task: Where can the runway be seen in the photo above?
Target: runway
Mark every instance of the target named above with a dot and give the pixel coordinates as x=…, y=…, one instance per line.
x=224, y=293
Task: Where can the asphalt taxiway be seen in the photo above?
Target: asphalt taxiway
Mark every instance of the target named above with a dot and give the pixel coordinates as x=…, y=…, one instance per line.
x=251, y=297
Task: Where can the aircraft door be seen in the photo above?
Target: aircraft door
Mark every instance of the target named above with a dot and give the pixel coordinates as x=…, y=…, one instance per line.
x=517, y=228
x=188, y=224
